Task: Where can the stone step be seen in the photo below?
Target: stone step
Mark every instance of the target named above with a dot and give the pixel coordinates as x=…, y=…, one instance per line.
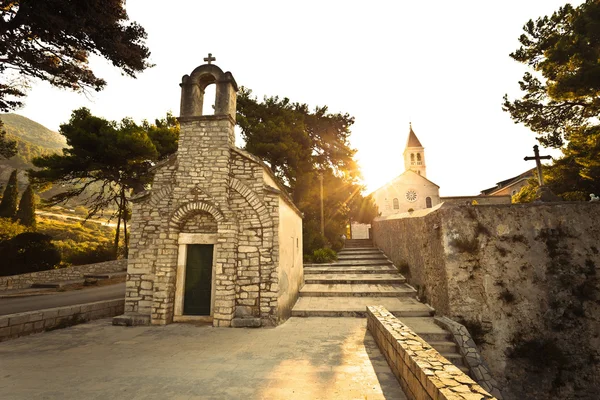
x=427, y=329
x=356, y=306
x=350, y=262
x=362, y=257
x=444, y=346
x=356, y=290
x=349, y=269
x=454, y=358
x=366, y=250
x=354, y=278
x=359, y=248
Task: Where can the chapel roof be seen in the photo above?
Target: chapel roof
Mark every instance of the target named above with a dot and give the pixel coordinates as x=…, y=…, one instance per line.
x=412, y=140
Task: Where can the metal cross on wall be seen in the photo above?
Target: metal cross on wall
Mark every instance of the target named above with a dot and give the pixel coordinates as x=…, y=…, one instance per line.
x=538, y=164
x=210, y=58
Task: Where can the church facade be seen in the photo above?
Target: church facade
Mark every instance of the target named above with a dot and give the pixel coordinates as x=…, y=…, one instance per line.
x=411, y=190
x=217, y=238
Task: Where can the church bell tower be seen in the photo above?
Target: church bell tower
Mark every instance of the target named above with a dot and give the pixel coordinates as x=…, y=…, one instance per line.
x=414, y=154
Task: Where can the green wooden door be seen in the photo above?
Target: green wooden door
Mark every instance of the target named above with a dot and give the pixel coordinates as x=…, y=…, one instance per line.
x=198, y=279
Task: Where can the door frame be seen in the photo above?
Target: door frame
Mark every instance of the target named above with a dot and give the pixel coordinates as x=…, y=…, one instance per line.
x=183, y=240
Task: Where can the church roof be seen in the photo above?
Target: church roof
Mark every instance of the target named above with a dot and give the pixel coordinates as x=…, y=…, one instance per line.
x=507, y=182
x=400, y=177
x=412, y=140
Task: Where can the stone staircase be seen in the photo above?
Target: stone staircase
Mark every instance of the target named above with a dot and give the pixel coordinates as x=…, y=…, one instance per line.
x=364, y=276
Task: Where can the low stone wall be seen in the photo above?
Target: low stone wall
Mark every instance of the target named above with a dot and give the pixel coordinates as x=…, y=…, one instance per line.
x=422, y=372
x=61, y=274
x=21, y=324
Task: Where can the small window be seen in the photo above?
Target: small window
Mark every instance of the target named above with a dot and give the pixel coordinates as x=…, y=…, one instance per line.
x=418, y=156
x=396, y=204
x=514, y=192
x=428, y=202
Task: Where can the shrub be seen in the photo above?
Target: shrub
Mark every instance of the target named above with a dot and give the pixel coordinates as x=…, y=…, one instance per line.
x=8, y=205
x=81, y=253
x=324, y=255
x=26, y=212
x=9, y=229
x=28, y=252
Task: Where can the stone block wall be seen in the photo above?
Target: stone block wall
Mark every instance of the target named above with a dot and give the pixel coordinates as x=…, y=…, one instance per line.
x=21, y=324
x=522, y=278
x=422, y=372
x=23, y=281
x=208, y=187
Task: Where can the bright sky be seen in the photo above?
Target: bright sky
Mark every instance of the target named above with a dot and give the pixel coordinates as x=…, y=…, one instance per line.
x=441, y=64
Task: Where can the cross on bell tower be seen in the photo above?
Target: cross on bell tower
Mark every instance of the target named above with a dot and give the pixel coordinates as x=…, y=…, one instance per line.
x=210, y=58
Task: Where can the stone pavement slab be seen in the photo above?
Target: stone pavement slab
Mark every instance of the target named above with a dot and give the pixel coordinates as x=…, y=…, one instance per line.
x=316, y=358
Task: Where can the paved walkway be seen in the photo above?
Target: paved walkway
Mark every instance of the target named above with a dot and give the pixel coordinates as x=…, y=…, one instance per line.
x=315, y=358
x=57, y=299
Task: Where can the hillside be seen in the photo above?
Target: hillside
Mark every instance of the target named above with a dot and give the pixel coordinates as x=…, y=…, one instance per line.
x=33, y=140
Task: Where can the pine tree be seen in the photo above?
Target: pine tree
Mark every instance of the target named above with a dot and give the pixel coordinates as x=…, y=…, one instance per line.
x=8, y=206
x=26, y=213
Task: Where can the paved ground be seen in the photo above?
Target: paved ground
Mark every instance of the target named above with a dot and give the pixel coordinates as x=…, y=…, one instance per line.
x=305, y=358
x=31, y=303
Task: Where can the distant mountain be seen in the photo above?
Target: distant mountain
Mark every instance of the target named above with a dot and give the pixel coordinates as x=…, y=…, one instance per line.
x=30, y=131
x=33, y=140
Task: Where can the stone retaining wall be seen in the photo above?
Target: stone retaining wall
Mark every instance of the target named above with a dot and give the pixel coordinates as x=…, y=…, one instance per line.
x=423, y=373
x=62, y=274
x=21, y=324
x=523, y=278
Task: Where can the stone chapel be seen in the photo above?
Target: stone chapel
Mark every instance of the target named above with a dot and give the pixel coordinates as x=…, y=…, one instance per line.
x=411, y=189
x=217, y=238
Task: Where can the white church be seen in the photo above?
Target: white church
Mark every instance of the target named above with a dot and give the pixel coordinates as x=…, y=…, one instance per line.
x=411, y=190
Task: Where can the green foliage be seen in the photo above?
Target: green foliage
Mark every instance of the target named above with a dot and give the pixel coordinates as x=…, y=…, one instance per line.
x=28, y=252
x=324, y=255
x=113, y=156
x=10, y=229
x=52, y=40
x=8, y=148
x=8, y=206
x=301, y=145
x=563, y=51
x=26, y=212
x=81, y=253
x=79, y=243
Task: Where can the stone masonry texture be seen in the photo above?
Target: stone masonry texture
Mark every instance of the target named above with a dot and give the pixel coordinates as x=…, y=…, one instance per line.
x=522, y=278
x=208, y=187
x=423, y=373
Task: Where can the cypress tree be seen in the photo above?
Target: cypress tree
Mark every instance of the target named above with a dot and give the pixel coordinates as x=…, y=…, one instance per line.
x=8, y=206
x=26, y=213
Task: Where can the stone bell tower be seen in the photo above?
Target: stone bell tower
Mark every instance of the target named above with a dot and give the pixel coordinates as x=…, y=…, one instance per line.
x=414, y=154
